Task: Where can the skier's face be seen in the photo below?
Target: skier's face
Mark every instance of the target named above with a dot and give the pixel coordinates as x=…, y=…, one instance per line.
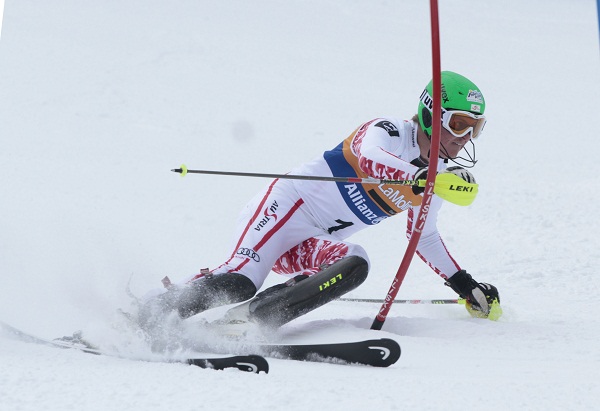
x=450, y=145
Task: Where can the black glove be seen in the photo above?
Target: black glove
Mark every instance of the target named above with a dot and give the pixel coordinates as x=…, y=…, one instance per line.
x=421, y=174
x=481, y=299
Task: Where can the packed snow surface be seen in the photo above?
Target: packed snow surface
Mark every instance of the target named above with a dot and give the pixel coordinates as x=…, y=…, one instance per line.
x=100, y=99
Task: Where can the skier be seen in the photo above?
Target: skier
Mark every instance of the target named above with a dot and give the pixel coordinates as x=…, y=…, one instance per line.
x=298, y=228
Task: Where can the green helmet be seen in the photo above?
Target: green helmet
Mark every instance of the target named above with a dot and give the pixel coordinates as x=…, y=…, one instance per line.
x=458, y=93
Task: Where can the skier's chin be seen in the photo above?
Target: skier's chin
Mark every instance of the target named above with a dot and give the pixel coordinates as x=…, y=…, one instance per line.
x=449, y=155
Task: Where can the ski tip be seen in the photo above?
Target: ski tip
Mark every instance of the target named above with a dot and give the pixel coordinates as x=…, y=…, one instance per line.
x=261, y=363
x=388, y=350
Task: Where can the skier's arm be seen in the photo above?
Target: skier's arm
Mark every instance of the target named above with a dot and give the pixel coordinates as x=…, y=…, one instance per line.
x=482, y=299
x=431, y=248
x=374, y=151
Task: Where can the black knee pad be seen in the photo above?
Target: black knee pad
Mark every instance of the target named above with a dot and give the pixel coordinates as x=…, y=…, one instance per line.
x=280, y=304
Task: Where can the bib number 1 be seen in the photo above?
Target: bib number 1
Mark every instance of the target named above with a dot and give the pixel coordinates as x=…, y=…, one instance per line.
x=341, y=226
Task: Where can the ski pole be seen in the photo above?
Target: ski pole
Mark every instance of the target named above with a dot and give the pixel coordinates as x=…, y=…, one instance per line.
x=447, y=186
x=381, y=301
x=183, y=170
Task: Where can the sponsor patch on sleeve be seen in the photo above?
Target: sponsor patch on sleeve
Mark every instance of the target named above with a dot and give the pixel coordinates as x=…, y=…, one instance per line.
x=389, y=127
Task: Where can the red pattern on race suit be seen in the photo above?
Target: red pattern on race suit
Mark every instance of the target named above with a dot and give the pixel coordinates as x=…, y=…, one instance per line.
x=376, y=167
x=309, y=256
x=381, y=170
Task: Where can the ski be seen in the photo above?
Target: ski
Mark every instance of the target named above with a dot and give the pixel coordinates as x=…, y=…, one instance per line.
x=234, y=334
x=248, y=362
x=381, y=352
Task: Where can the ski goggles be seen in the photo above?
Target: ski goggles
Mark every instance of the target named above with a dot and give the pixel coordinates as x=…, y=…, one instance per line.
x=460, y=123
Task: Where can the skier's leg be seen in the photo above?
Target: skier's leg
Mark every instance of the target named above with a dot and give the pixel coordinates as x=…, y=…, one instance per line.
x=271, y=223
x=274, y=222
x=195, y=297
x=282, y=303
x=314, y=254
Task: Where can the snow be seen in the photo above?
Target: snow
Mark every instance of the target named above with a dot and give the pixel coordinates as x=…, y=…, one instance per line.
x=101, y=99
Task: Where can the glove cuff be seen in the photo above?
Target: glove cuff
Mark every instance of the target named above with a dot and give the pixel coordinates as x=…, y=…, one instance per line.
x=462, y=283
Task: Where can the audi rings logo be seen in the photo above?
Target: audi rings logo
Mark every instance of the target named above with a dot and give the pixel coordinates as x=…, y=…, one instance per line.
x=248, y=252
